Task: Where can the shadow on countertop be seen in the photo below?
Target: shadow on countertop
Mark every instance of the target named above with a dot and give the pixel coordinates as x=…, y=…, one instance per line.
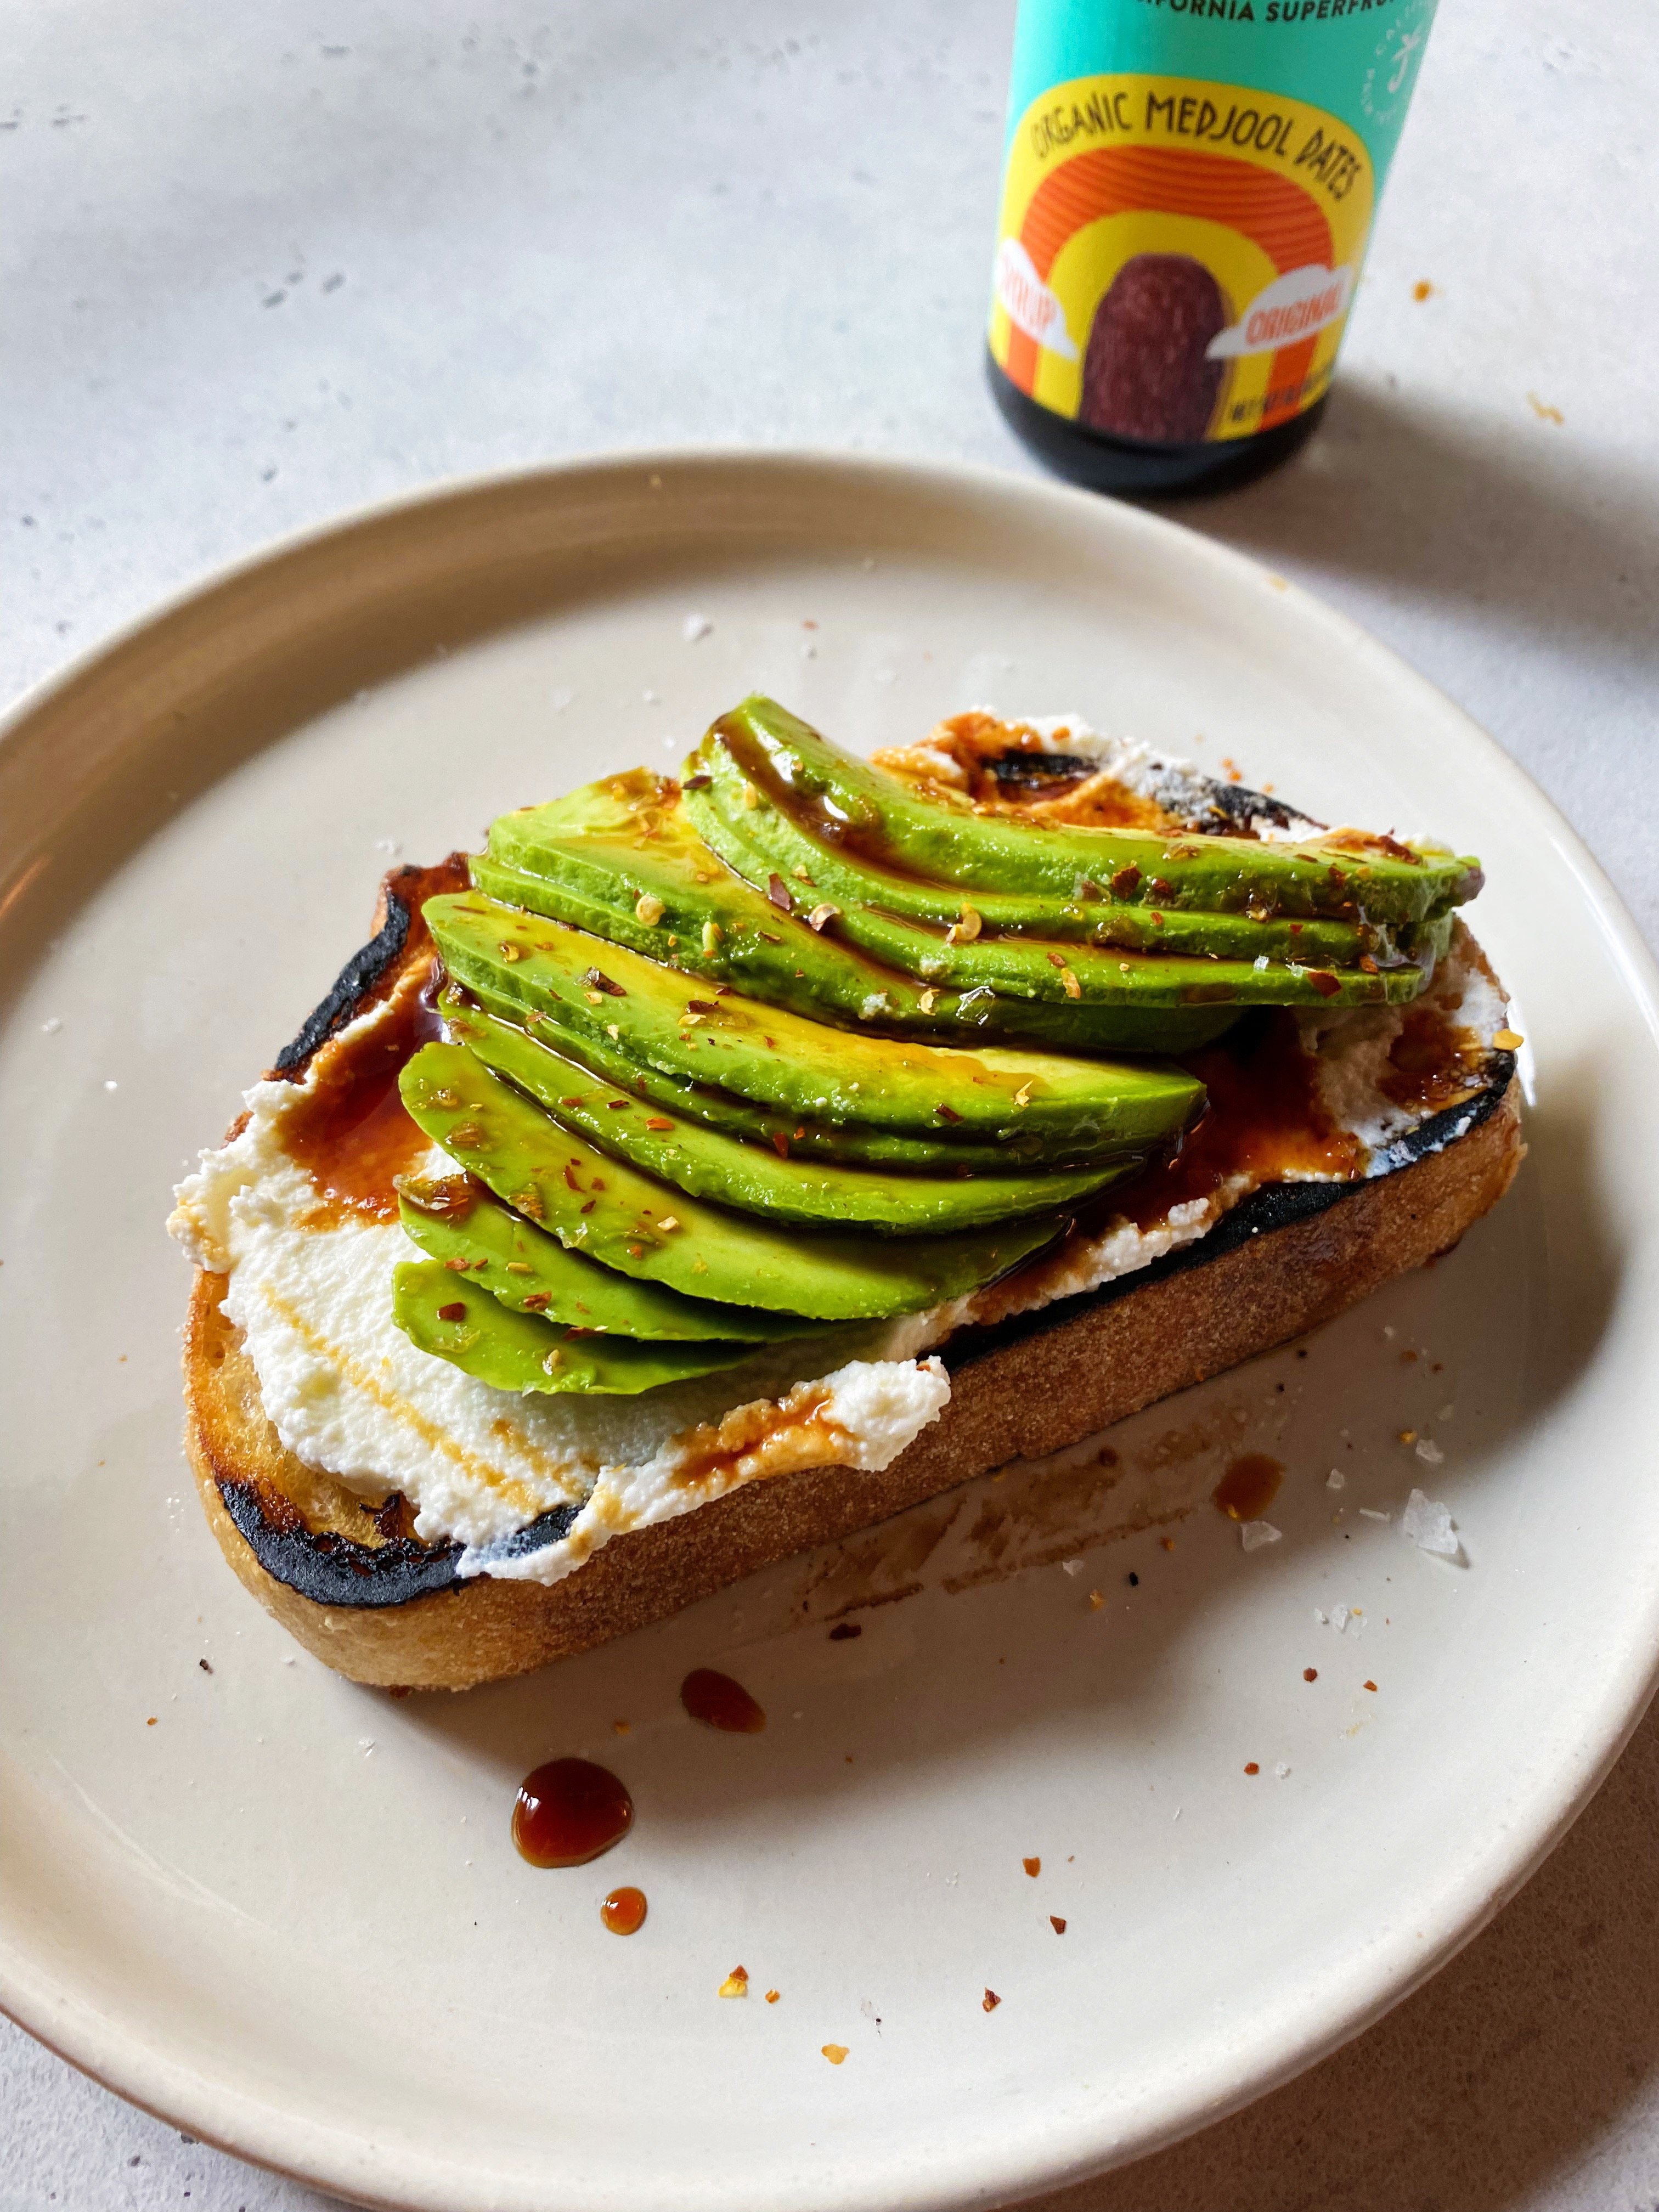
x=1512, y=516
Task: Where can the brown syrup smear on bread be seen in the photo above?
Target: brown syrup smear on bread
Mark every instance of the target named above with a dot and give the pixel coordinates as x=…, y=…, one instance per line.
x=718, y=1702
x=1432, y=1063
x=1264, y=1119
x=761, y=1439
x=978, y=746
x=350, y=1133
x=569, y=1812
x=623, y=1912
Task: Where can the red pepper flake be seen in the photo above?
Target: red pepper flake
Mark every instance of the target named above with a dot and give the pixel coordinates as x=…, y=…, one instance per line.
x=1324, y=983
x=989, y=2002
x=1368, y=966
x=590, y=1205
x=698, y=782
x=1126, y=883
x=780, y=1143
x=1056, y=1923
x=456, y=1311
x=1252, y=1768
x=1371, y=1685
x=778, y=891
x=845, y=1631
x=570, y=1102
x=1033, y=1866
x=457, y=1266
x=538, y=1302
x=946, y=1113
x=1310, y=1674
x=613, y=1104
x=595, y=981
x=658, y=1121
x=701, y=1007
x=571, y=1182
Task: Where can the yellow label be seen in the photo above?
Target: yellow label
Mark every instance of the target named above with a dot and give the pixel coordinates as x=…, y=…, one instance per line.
x=1176, y=258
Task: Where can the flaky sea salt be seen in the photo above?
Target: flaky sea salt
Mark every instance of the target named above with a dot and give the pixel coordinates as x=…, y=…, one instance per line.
x=1340, y=1617
x=1429, y=1526
x=1322, y=1616
x=694, y=627
x=1253, y=1534
x=1071, y=1566
x=51, y=1028
x=1370, y=1513
x=1281, y=1769
x=1428, y=1451
x=1335, y=1479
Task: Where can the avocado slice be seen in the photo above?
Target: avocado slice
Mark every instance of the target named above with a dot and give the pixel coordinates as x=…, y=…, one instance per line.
x=612, y=1213
x=759, y=1179
x=739, y=819
x=458, y=1223
x=603, y=856
x=1033, y=968
x=516, y=1352
x=775, y=1058
x=840, y=801
x=852, y=1144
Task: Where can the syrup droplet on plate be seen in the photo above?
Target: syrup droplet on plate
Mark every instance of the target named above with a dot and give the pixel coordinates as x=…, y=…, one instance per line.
x=1248, y=1487
x=569, y=1812
x=623, y=1912
x=720, y=1702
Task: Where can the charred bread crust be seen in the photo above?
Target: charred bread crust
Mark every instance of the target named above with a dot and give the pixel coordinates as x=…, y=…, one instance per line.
x=353, y=1584
x=401, y=938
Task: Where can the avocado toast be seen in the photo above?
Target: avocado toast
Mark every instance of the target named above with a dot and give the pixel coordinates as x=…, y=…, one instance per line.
x=717, y=1164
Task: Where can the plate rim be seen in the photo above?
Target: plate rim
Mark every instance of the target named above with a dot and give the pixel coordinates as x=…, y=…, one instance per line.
x=247, y=2122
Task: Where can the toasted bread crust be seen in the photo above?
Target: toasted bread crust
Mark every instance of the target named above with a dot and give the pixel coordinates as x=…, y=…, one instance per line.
x=1014, y=1395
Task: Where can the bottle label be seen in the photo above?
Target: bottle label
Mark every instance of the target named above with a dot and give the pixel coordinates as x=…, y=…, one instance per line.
x=1177, y=255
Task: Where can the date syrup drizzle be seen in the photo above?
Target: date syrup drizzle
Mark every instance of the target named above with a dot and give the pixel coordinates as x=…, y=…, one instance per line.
x=352, y=1133
x=569, y=1811
x=718, y=1702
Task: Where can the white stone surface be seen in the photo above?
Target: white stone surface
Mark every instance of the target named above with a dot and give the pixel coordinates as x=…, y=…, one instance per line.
x=265, y=264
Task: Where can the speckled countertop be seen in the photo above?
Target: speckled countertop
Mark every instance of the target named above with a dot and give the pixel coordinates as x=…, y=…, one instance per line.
x=264, y=265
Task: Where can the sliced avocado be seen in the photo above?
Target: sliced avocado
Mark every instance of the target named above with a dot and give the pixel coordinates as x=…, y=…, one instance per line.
x=852, y=1144
x=1089, y=976
x=516, y=1352
x=603, y=857
x=615, y=1215
x=779, y=1058
x=842, y=801
x=759, y=839
x=708, y=1163
x=458, y=1223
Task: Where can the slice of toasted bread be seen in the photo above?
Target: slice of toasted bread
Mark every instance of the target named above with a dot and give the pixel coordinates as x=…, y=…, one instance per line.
x=359, y=1589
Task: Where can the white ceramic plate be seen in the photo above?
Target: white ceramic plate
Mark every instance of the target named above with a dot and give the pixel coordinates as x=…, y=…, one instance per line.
x=286, y=1912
